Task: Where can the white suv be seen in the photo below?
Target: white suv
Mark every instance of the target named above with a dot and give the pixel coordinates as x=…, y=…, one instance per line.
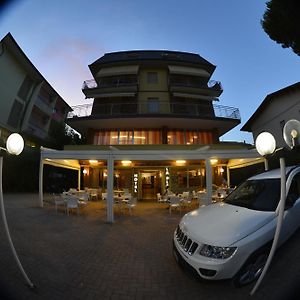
x=232, y=239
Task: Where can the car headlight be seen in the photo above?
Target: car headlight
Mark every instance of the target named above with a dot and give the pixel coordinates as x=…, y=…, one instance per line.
x=217, y=252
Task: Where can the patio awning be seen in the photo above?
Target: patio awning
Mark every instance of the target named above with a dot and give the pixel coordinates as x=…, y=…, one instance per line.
x=188, y=71
x=195, y=96
x=122, y=70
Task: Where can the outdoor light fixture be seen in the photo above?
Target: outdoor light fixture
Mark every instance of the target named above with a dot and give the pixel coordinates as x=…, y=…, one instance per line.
x=84, y=171
x=180, y=162
x=93, y=161
x=266, y=145
x=213, y=161
x=14, y=146
x=126, y=162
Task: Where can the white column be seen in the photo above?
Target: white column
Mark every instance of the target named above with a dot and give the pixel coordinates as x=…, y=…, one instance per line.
x=228, y=177
x=208, y=171
x=79, y=178
x=110, y=187
x=41, y=173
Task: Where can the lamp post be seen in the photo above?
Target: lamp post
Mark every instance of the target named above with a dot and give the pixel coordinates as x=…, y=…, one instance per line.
x=265, y=145
x=14, y=145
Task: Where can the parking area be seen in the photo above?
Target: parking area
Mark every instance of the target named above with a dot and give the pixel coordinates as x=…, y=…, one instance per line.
x=83, y=257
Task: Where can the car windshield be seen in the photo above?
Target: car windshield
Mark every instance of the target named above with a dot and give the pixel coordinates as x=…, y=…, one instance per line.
x=261, y=195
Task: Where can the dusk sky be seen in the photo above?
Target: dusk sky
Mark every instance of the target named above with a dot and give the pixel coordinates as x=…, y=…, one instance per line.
x=62, y=38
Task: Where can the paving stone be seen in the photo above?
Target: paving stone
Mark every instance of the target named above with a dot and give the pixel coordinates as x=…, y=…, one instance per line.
x=83, y=257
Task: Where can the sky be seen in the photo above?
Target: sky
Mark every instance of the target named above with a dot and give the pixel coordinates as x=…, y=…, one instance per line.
x=62, y=37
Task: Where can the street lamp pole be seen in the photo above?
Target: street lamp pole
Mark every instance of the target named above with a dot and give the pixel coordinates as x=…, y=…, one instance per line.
x=14, y=145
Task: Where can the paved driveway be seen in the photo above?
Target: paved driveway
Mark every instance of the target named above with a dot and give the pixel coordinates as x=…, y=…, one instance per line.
x=83, y=257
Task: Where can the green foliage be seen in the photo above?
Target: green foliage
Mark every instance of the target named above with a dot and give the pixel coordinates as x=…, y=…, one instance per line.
x=281, y=21
x=64, y=135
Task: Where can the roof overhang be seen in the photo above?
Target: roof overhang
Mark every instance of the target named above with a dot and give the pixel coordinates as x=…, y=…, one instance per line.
x=200, y=153
x=83, y=124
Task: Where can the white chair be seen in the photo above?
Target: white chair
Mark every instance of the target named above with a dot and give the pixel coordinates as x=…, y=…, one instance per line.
x=186, y=200
x=72, y=203
x=160, y=199
x=131, y=204
x=174, y=203
x=59, y=201
x=93, y=194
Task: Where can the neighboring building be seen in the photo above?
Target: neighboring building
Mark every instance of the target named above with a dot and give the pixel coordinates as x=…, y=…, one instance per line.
x=153, y=123
x=29, y=104
x=275, y=110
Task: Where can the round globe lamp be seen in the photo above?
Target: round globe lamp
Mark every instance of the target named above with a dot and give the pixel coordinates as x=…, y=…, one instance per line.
x=15, y=144
x=265, y=143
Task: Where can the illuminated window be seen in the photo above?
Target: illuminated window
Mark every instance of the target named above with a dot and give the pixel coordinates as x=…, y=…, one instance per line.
x=125, y=137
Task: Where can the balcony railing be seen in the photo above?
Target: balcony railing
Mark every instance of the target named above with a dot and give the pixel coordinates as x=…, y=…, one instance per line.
x=158, y=108
x=211, y=84
x=92, y=84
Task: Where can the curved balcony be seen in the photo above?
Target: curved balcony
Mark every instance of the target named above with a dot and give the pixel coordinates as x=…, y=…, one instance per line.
x=159, y=109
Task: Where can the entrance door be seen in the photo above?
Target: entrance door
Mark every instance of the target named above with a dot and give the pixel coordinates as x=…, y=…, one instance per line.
x=151, y=184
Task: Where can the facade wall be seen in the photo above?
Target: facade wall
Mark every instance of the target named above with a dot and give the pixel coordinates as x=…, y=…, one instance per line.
x=27, y=99
x=11, y=78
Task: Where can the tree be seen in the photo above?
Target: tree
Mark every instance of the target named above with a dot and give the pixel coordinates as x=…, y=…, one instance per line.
x=281, y=21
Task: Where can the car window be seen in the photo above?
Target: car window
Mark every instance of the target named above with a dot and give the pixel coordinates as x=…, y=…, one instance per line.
x=261, y=195
x=294, y=191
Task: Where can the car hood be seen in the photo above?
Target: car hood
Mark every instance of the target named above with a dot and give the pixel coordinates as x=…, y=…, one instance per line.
x=222, y=224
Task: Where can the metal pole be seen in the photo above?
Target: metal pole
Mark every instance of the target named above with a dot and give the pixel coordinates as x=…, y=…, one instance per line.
x=41, y=176
x=31, y=285
x=279, y=223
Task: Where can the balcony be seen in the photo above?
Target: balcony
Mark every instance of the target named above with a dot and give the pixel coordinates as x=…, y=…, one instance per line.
x=212, y=88
x=158, y=109
x=118, y=87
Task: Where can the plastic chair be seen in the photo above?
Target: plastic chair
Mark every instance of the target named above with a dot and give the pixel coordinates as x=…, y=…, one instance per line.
x=72, y=203
x=59, y=201
x=131, y=204
x=174, y=204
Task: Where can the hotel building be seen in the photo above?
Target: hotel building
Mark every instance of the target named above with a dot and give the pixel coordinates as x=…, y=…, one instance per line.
x=155, y=121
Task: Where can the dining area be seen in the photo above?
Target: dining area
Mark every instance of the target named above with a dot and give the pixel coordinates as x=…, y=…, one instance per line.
x=73, y=200
x=123, y=200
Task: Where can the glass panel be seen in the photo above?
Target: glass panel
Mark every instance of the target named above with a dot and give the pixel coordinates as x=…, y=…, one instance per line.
x=150, y=137
x=176, y=137
x=153, y=105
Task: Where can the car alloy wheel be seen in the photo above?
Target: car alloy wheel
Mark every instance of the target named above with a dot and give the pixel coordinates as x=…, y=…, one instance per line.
x=251, y=270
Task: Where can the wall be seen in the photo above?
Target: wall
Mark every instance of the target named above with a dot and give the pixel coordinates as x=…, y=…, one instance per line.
x=11, y=79
x=277, y=113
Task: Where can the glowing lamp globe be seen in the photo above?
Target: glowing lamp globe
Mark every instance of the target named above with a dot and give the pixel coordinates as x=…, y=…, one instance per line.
x=15, y=144
x=265, y=143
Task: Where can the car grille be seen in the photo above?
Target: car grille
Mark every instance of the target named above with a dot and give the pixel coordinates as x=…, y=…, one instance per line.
x=186, y=243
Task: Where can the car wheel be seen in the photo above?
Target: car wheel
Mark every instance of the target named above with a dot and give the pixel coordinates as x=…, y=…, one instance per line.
x=251, y=269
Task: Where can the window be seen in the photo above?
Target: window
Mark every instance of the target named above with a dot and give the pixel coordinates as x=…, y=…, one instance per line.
x=25, y=88
x=153, y=105
x=15, y=114
x=152, y=77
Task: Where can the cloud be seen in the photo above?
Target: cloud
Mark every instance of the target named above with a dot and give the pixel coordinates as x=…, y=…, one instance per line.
x=64, y=63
